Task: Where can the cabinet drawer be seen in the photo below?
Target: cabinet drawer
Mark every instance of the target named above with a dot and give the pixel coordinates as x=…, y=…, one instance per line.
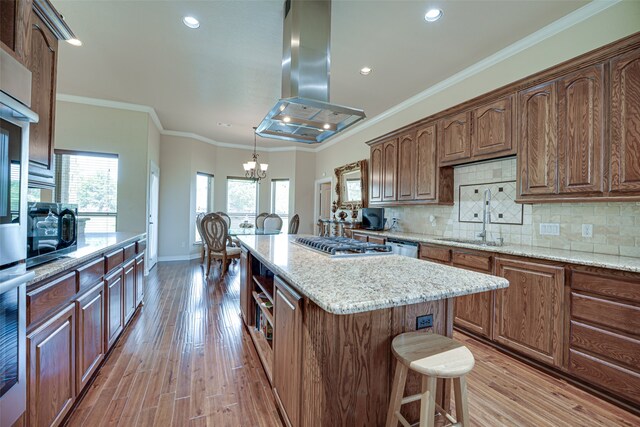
x=623, y=382
x=49, y=297
x=613, y=314
x=90, y=274
x=130, y=251
x=435, y=253
x=113, y=259
x=604, y=343
x=377, y=240
x=474, y=261
x=608, y=286
x=141, y=245
x=361, y=237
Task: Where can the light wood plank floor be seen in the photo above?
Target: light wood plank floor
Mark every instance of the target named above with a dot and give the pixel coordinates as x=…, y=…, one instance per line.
x=186, y=360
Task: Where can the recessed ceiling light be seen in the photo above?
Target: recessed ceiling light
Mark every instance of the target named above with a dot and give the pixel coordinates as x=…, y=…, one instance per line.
x=226, y=125
x=286, y=119
x=433, y=15
x=191, y=22
x=327, y=126
x=365, y=71
x=74, y=42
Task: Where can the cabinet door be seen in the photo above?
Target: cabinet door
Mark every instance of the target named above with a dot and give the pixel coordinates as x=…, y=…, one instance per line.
x=90, y=311
x=580, y=131
x=139, y=279
x=14, y=21
x=389, y=170
x=475, y=312
x=529, y=313
x=360, y=236
x=287, y=350
x=129, y=290
x=114, y=313
x=456, y=138
x=625, y=123
x=426, y=168
x=375, y=174
x=493, y=128
x=245, y=277
x=52, y=370
x=406, y=166
x=538, y=150
x=43, y=57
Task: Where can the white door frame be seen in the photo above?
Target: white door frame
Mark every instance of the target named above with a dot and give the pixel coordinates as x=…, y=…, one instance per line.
x=316, y=197
x=153, y=169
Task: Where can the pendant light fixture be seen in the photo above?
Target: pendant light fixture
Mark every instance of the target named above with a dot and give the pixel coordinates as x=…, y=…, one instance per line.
x=253, y=169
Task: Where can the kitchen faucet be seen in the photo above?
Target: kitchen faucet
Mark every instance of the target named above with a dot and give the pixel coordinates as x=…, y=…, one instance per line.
x=486, y=215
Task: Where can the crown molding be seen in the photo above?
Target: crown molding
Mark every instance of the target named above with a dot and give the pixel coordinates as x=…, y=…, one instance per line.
x=567, y=21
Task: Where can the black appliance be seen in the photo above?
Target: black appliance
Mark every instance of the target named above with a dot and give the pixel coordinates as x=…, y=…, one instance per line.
x=52, y=231
x=373, y=218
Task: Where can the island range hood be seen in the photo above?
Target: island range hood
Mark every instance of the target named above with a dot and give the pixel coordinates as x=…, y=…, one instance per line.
x=304, y=113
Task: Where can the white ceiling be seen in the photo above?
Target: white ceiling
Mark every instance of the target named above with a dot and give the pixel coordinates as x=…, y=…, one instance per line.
x=228, y=70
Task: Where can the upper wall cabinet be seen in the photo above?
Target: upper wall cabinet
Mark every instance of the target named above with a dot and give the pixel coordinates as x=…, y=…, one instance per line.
x=581, y=131
x=456, y=138
x=537, y=155
x=42, y=61
x=14, y=20
x=492, y=130
x=375, y=174
x=625, y=124
x=426, y=162
x=389, y=170
x=406, y=166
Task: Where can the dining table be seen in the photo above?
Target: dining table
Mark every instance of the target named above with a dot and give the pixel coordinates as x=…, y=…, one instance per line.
x=253, y=231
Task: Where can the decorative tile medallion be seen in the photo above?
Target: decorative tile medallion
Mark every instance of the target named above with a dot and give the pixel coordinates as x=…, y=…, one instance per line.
x=504, y=209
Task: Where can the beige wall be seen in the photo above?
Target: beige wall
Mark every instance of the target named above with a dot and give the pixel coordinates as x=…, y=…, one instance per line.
x=107, y=130
x=610, y=25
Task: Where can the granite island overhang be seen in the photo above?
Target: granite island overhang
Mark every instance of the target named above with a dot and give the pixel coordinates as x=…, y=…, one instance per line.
x=332, y=321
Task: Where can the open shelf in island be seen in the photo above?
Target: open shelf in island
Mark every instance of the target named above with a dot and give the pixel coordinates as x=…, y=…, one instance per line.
x=264, y=350
x=265, y=284
x=265, y=305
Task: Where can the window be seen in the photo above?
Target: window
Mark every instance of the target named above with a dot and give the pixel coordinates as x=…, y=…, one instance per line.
x=280, y=200
x=204, y=197
x=89, y=180
x=242, y=200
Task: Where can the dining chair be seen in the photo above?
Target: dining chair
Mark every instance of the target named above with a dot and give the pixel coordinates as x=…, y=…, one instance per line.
x=201, y=234
x=273, y=222
x=227, y=219
x=260, y=220
x=216, y=234
x=294, y=224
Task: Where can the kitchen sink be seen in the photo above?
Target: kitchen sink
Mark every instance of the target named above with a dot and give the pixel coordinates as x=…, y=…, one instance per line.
x=471, y=242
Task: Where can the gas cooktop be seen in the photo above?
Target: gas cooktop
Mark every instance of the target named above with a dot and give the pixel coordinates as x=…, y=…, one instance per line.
x=342, y=246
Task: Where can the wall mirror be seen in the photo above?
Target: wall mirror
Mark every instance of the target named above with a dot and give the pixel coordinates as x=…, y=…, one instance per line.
x=351, y=185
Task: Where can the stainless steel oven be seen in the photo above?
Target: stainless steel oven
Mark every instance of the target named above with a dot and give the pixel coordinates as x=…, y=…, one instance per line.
x=15, y=117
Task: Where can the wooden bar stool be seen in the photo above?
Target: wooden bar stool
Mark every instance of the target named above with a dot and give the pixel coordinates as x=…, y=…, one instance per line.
x=433, y=356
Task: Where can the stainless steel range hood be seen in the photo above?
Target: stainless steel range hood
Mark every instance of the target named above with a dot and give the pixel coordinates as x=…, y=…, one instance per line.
x=304, y=113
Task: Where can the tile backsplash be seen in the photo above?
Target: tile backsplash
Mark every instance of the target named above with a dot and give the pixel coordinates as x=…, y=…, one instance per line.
x=616, y=226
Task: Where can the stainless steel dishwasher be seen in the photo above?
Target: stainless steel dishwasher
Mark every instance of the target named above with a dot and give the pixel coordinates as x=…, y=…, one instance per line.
x=402, y=247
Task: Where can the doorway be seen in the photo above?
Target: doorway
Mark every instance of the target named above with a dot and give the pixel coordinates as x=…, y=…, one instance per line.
x=322, y=199
x=152, y=226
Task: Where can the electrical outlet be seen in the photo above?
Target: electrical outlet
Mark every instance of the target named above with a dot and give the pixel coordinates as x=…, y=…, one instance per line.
x=549, y=229
x=587, y=230
x=423, y=322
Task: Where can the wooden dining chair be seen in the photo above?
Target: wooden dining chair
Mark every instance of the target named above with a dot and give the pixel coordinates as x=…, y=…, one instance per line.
x=273, y=222
x=227, y=219
x=201, y=234
x=294, y=224
x=216, y=234
x=260, y=220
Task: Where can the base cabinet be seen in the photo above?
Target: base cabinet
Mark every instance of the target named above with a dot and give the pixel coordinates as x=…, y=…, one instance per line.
x=129, y=303
x=91, y=350
x=529, y=313
x=114, y=318
x=475, y=313
x=52, y=369
x=245, y=275
x=139, y=279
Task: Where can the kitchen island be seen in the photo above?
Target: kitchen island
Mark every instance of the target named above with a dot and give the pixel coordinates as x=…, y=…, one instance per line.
x=323, y=326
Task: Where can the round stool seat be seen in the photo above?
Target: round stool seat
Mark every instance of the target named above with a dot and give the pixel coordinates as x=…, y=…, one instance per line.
x=432, y=355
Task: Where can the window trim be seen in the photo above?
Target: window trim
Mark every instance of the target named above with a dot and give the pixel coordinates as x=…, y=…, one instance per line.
x=195, y=213
x=241, y=178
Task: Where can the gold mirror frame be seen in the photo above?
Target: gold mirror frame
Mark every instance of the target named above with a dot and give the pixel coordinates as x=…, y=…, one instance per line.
x=364, y=184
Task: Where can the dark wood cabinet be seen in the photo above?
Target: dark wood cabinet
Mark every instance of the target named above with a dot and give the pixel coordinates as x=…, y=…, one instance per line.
x=474, y=312
x=389, y=170
x=129, y=296
x=625, y=123
x=529, y=313
x=15, y=16
x=245, y=285
x=42, y=61
x=538, y=151
x=375, y=174
x=426, y=162
x=492, y=130
x=139, y=280
x=287, y=350
x=91, y=328
x=581, y=131
x=407, y=166
x=456, y=138
x=52, y=369
x=360, y=236
x=114, y=307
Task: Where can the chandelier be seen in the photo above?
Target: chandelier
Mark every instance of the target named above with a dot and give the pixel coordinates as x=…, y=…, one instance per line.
x=253, y=169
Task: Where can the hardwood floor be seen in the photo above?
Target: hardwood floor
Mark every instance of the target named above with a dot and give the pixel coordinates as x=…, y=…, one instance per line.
x=187, y=360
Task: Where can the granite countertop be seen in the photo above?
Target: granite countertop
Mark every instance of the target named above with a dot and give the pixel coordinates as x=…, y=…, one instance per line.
x=614, y=262
x=89, y=247
x=366, y=283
